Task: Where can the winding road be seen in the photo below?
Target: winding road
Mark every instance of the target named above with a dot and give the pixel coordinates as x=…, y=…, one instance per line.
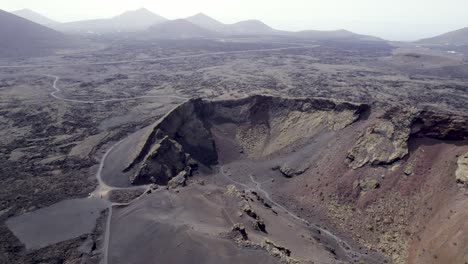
x=57, y=90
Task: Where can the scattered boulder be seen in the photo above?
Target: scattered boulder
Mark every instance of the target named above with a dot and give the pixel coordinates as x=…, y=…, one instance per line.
x=367, y=184
x=250, y=211
x=179, y=181
x=233, y=191
x=240, y=229
x=289, y=172
x=268, y=244
x=260, y=225
x=261, y=200
x=408, y=170
x=283, y=253
x=153, y=187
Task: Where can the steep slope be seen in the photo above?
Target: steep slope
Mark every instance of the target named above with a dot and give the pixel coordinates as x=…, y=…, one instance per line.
x=207, y=22
x=35, y=17
x=129, y=21
x=21, y=37
x=457, y=37
x=179, y=28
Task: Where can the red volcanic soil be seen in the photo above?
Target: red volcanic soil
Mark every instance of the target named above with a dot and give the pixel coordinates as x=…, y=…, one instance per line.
x=413, y=210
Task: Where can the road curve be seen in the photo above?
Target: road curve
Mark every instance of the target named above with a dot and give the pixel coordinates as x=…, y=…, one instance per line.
x=102, y=191
x=155, y=59
x=57, y=90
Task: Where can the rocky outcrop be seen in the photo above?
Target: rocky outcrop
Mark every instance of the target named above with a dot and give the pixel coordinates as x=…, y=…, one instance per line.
x=461, y=173
x=259, y=225
x=239, y=231
x=177, y=141
x=283, y=253
x=289, y=172
x=386, y=140
x=185, y=125
x=166, y=159
x=446, y=126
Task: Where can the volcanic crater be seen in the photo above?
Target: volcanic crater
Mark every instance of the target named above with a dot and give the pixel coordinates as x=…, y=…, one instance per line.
x=319, y=163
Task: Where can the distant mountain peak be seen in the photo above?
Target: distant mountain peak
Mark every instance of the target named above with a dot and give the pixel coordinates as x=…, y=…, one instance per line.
x=202, y=15
x=138, y=12
x=205, y=21
x=251, y=26
x=140, y=18
x=143, y=11
x=253, y=22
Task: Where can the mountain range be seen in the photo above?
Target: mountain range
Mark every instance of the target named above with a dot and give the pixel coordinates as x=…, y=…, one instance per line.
x=207, y=22
x=197, y=26
x=21, y=37
x=203, y=26
x=26, y=32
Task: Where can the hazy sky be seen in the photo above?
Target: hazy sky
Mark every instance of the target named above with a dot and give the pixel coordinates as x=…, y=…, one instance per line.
x=391, y=19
